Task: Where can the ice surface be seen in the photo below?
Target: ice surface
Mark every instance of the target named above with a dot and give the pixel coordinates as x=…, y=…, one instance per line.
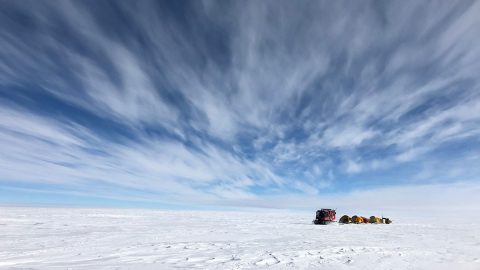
x=54, y=238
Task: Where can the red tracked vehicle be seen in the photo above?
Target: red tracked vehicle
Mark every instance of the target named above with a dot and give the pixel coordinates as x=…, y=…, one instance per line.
x=325, y=216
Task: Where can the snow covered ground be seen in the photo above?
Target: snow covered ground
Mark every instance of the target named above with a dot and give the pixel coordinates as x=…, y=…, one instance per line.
x=54, y=238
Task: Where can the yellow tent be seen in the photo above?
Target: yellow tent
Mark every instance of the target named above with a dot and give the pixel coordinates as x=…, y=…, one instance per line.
x=357, y=219
x=374, y=219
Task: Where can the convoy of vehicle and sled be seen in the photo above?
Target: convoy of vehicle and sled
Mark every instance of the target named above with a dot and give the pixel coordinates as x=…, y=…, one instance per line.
x=326, y=216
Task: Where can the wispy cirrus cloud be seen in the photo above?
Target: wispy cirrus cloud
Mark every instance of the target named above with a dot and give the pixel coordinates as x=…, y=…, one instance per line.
x=219, y=101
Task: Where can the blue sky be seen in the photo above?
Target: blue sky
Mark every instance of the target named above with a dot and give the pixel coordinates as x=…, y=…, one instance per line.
x=207, y=104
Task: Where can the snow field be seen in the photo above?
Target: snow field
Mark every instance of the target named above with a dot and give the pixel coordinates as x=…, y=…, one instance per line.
x=54, y=238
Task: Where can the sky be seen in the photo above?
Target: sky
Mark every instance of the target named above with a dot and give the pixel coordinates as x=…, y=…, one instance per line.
x=218, y=104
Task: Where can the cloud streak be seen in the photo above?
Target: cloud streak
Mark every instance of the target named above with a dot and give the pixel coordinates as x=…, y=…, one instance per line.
x=223, y=101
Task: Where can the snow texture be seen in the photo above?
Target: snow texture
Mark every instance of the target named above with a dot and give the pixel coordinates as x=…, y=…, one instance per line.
x=55, y=238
